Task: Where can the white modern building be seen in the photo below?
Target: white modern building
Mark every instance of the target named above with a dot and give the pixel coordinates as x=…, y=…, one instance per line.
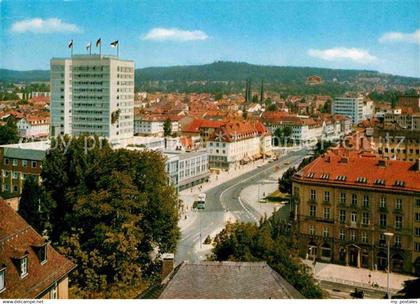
x=349, y=106
x=192, y=168
x=92, y=94
x=61, y=96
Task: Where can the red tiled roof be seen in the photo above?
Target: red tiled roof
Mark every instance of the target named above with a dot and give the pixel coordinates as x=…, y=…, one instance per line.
x=355, y=166
x=196, y=124
x=18, y=238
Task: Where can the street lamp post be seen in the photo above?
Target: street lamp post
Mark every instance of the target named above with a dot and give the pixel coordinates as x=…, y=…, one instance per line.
x=388, y=236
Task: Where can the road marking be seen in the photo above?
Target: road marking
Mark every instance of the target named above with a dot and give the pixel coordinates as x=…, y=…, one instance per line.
x=248, y=178
x=246, y=209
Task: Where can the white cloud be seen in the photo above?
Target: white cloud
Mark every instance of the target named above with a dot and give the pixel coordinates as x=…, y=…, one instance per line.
x=401, y=37
x=341, y=53
x=43, y=26
x=174, y=34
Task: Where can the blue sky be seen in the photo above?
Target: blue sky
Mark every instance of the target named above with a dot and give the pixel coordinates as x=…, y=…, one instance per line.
x=379, y=35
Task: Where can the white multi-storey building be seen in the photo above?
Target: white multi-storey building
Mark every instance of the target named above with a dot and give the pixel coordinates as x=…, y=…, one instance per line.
x=61, y=96
x=349, y=106
x=93, y=94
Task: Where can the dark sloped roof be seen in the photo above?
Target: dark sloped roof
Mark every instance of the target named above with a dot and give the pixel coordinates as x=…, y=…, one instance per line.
x=18, y=238
x=227, y=280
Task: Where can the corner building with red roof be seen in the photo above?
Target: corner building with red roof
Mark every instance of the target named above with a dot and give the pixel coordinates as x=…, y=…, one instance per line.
x=344, y=202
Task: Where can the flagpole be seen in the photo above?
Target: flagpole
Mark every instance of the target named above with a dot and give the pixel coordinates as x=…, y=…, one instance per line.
x=90, y=48
x=118, y=49
x=100, y=48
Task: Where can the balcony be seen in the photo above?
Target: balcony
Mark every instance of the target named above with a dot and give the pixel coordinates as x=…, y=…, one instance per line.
x=312, y=201
x=383, y=209
x=382, y=244
x=342, y=204
x=324, y=202
x=397, y=211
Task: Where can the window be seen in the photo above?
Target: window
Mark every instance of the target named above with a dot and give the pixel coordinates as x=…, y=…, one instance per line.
x=34, y=164
x=23, y=266
x=398, y=241
x=325, y=232
x=342, y=198
x=364, y=237
x=14, y=162
x=365, y=218
x=398, y=204
x=327, y=196
x=313, y=194
x=417, y=231
x=366, y=201
x=312, y=210
x=398, y=222
x=24, y=163
x=382, y=220
x=6, y=161
x=417, y=247
x=42, y=254
x=311, y=230
x=326, y=213
x=354, y=199
x=353, y=235
x=342, y=216
x=418, y=202
x=417, y=217
x=2, y=279
x=53, y=292
x=382, y=202
x=354, y=217
x=342, y=235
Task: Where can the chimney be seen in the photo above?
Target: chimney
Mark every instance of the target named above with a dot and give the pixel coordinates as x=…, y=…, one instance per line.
x=344, y=160
x=167, y=264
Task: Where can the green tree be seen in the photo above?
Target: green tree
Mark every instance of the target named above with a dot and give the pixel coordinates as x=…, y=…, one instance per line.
x=218, y=96
x=272, y=107
x=255, y=98
x=9, y=133
x=285, y=182
x=271, y=241
x=113, y=207
x=167, y=128
x=34, y=205
x=411, y=290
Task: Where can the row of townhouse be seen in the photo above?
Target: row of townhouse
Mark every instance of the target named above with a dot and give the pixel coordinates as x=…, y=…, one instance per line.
x=304, y=129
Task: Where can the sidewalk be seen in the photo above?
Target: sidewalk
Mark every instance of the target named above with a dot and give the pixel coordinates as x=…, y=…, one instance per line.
x=357, y=276
x=252, y=194
x=190, y=195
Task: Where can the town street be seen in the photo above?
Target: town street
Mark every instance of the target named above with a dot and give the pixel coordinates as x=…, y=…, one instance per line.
x=223, y=203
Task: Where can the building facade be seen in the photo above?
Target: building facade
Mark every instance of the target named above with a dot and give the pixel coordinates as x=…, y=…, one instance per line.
x=61, y=83
x=98, y=92
x=344, y=204
x=30, y=268
x=237, y=142
x=187, y=169
x=18, y=162
x=349, y=106
x=33, y=127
